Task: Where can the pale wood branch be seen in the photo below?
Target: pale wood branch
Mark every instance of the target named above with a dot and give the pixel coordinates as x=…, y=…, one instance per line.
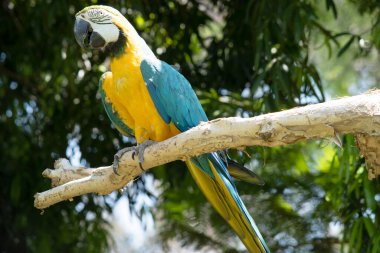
x=359, y=115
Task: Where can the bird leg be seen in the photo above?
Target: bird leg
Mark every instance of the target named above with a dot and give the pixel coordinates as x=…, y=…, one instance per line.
x=136, y=150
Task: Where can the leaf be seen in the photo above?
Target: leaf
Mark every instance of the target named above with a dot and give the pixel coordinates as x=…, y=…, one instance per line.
x=317, y=80
x=346, y=46
x=331, y=5
x=329, y=48
x=370, y=227
x=376, y=243
x=257, y=55
x=341, y=34
x=257, y=82
x=369, y=194
x=355, y=235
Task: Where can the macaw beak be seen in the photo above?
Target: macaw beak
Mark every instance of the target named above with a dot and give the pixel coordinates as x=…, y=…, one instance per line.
x=86, y=37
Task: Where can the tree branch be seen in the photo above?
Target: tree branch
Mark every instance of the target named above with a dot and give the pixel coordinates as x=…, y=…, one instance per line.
x=359, y=115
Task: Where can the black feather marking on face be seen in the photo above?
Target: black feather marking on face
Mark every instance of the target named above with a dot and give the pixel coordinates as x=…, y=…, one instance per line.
x=117, y=49
x=99, y=16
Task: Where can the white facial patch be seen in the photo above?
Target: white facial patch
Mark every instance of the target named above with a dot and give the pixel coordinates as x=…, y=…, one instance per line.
x=109, y=31
x=101, y=22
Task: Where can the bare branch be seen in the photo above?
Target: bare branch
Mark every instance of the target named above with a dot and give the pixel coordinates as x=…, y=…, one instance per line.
x=359, y=115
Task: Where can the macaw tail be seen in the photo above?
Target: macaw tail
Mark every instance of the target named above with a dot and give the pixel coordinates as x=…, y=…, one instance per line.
x=210, y=173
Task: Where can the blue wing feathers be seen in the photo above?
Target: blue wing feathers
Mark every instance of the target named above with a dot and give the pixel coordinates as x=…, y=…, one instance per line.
x=172, y=94
x=176, y=102
x=157, y=102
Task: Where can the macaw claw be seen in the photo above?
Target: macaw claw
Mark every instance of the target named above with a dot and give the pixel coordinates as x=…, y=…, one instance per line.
x=139, y=151
x=118, y=155
x=136, y=150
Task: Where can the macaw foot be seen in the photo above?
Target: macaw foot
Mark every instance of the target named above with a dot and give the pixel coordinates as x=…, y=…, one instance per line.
x=118, y=155
x=137, y=150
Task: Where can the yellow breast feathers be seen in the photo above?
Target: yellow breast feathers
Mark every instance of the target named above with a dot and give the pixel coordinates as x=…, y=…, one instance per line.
x=127, y=92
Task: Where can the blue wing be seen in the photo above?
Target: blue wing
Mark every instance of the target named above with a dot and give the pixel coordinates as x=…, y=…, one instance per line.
x=172, y=95
x=176, y=102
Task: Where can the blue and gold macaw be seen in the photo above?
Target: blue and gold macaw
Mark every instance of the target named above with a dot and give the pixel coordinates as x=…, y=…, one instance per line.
x=147, y=98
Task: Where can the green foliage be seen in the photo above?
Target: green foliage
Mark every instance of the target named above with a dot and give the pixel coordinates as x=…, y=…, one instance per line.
x=355, y=199
x=243, y=58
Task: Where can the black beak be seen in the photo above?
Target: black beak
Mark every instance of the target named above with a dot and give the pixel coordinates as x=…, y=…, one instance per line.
x=86, y=37
x=81, y=31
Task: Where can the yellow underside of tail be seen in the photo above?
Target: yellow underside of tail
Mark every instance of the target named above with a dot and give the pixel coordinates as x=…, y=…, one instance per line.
x=220, y=197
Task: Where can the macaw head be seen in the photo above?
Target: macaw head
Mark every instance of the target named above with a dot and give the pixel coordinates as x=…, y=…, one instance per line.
x=99, y=27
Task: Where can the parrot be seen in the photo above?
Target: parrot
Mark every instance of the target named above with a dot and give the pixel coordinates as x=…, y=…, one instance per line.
x=150, y=100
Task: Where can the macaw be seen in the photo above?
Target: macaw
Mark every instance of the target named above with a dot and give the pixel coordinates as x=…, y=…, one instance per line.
x=150, y=100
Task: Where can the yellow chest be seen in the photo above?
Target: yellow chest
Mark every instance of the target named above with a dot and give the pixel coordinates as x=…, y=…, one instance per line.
x=131, y=100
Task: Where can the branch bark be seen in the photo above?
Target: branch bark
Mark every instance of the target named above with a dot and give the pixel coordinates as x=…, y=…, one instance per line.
x=359, y=115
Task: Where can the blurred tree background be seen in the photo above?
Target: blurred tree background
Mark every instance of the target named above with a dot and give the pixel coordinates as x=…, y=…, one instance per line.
x=243, y=58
